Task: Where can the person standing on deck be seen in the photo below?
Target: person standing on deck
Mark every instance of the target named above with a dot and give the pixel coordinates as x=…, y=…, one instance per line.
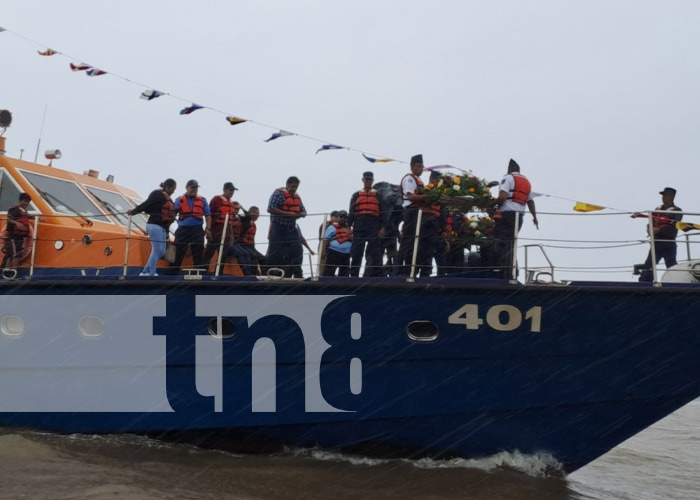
x=192, y=210
x=220, y=205
x=367, y=218
x=161, y=214
x=665, y=232
x=514, y=194
x=18, y=228
x=284, y=248
x=246, y=244
x=337, y=244
x=413, y=200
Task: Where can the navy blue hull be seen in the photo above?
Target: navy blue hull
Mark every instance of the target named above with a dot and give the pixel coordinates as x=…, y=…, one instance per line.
x=568, y=371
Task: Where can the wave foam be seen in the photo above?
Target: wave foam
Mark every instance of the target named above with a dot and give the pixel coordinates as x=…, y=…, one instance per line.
x=535, y=465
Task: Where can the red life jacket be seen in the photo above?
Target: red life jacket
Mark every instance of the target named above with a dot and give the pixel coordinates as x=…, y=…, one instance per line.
x=367, y=203
x=521, y=190
x=167, y=211
x=663, y=221
x=433, y=209
x=197, y=210
x=342, y=234
x=249, y=235
x=24, y=221
x=449, y=225
x=292, y=202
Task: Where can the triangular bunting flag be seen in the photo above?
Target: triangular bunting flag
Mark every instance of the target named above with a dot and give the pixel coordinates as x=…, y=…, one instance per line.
x=586, y=207
x=328, y=147
x=277, y=135
x=686, y=226
x=376, y=160
x=190, y=109
x=47, y=52
x=2, y=29
x=150, y=94
x=95, y=72
x=79, y=67
x=440, y=167
x=234, y=120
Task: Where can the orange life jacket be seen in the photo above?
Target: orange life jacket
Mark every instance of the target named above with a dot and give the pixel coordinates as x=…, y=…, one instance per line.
x=342, y=234
x=167, y=211
x=197, y=210
x=249, y=235
x=521, y=189
x=292, y=202
x=367, y=203
x=227, y=207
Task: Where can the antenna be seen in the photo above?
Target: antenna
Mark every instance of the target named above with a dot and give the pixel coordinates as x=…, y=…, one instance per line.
x=36, y=155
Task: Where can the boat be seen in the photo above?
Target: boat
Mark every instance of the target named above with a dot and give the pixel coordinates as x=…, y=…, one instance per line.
x=462, y=366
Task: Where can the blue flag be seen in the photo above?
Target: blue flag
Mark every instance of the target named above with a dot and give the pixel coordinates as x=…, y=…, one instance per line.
x=150, y=94
x=190, y=109
x=327, y=147
x=277, y=135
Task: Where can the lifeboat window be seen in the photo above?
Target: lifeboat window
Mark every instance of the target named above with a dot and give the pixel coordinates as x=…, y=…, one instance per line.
x=422, y=331
x=9, y=193
x=115, y=204
x=65, y=197
x=221, y=328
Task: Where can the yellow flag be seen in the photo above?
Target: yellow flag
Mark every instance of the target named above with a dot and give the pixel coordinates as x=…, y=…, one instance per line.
x=586, y=207
x=686, y=226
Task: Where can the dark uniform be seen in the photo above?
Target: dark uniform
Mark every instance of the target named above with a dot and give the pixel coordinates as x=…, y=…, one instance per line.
x=18, y=227
x=665, y=233
x=366, y=217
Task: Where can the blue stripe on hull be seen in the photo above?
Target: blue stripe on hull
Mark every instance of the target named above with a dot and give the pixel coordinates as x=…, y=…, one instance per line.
x=567, y=371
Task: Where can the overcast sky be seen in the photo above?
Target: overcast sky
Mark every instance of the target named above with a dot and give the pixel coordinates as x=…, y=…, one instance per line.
x=596, y=100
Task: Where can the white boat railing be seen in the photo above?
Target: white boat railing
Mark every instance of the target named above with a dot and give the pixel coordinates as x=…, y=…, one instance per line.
x=531, y=269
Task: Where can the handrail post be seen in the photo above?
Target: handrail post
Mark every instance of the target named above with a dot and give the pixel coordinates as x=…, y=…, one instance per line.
x=221, y=245
x=126, y=251
x=419, y=220
x=687, y=244
x=652, y=250
x=320, y=249
x=514, y=250
x=36, y=232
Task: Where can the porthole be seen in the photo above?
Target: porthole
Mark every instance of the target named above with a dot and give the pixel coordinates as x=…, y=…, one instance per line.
x=12, y=326
x=422, y=331
x=221, y=328
x=91, y=326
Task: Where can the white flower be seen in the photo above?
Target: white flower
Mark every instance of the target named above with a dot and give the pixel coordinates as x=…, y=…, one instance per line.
x=477, y=234
x=474, y=225
x=456, y=187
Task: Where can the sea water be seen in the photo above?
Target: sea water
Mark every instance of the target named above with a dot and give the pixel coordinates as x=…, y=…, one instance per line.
x=661, y=463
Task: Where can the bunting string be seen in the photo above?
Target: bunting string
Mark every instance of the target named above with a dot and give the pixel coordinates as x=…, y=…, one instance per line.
x=150, y=93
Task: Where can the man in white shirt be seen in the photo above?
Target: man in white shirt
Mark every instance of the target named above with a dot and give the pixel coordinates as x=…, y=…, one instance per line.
x=413, y=200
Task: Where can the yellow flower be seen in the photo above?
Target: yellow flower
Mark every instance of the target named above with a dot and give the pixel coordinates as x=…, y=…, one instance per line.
x=445, y=190
x=457, y=180
x=471, y=190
